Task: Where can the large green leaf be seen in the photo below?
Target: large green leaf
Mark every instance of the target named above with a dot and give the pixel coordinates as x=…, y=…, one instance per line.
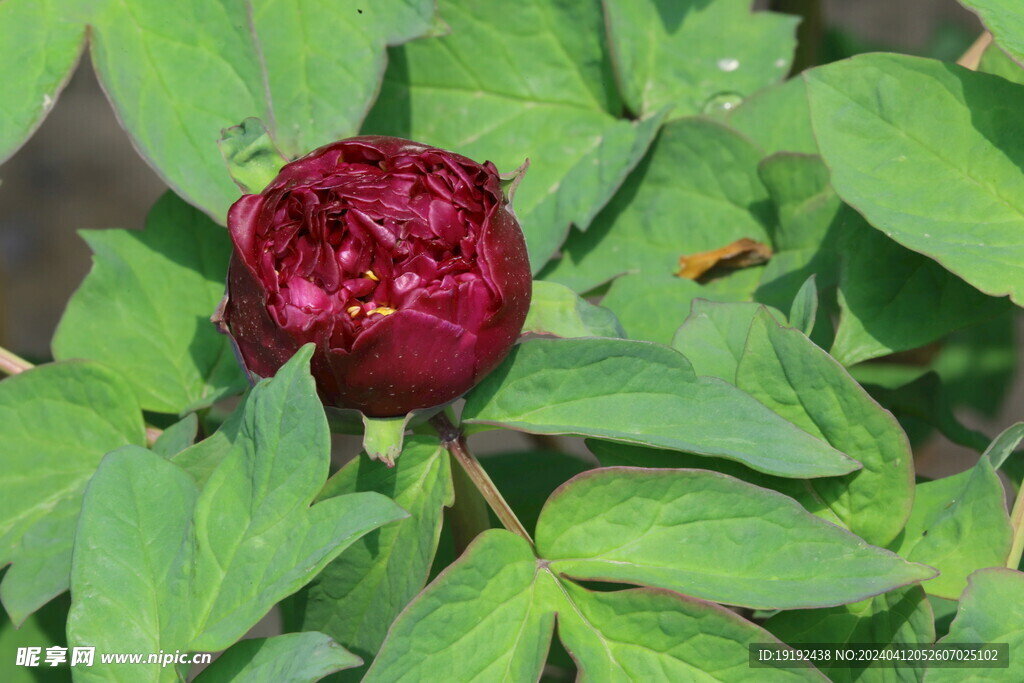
x=293, y=657
x=324, y=62
x=258, y=499
x=1005, y=19
x=948, y=185
x=652, y=306
x=556, y=310
x=132, y=556
x=995, y=61
x=714, y=336
x=637, y=392
x=478, y=621
x=145, y=309
x=783, y=369
x=957, y=525
x=506, y=85
x=883, y=288
x=357, y=596
x=612, y=454
x=195, y=570
x=900, y=617
x=710, y=536
x=692, y=54
x=308, y=70
x=58, y=422
x=38, y=51
x=646, y=634
x=991, y=611
x=697, y=190
x=777, y=119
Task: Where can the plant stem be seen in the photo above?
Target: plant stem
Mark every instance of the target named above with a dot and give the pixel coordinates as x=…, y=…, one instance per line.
x=1017, y=524
x=972, y=57
x=809, y=34
x=454, y=440
x=12, y=364
x=468, y=518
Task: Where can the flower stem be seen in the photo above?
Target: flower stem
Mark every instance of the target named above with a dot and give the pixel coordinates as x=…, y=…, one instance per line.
x=1017, y=524
x=12, y=364
x=468, y=518
x=454, y=440
x=972, y=57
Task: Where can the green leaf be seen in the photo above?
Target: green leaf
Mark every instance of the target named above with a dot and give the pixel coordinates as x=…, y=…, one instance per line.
x=696, y=190
x=206, y=566
x=83, y=410
x=783, y=369
x=646, y=634
x=805, y=307
x=637, y=392
x=714, y=336
x=478, y=621
x=958, y=524
x=293, y=657
x=252, y=157
x=357, y=596
x=324, y=62
x=145, y=308
x=947, y=185
x=257, y=499
x=38, y=50
x=995, y=61
x=900, y=617
x=201, y=459
x=991, y=611
x=884, y=287
x=507, y=85
x=810, y=221
x=147, y=56
x=1002, y=446
x=557, y=310
x=652, y=306
x=177, y=437
x=669, y=52
x=777, y=119
x=130, y=573
x=1006, y=22
x=308, y=70
x=622, y=455
x=710, y=536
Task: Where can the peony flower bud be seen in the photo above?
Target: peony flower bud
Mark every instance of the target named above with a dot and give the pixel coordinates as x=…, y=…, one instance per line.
x=404, y=264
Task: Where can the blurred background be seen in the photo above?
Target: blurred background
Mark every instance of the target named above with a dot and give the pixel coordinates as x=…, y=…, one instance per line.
x=79, y=171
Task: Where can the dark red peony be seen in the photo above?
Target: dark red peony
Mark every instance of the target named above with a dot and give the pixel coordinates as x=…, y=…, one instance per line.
x=404, y=264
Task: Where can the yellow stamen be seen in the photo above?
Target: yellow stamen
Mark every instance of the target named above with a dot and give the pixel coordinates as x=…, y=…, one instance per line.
x=382, y=310
x=370, y=274
x=353, y=311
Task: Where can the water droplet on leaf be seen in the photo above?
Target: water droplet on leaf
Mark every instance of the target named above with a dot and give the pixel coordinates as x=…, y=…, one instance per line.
x=721, y=103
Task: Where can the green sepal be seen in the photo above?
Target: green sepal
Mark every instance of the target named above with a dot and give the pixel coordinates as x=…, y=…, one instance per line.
x=383, y=437
x=252, y=157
